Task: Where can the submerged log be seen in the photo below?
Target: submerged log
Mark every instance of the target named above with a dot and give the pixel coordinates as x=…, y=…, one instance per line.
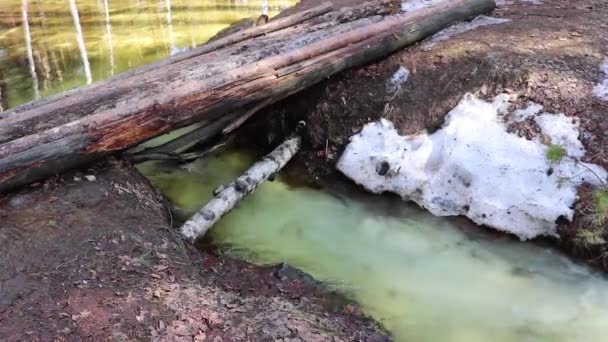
x=50, y=137
x=226, y=198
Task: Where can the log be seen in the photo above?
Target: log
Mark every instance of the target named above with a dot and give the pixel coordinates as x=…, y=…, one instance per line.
x=51, y=137
x=226, y=198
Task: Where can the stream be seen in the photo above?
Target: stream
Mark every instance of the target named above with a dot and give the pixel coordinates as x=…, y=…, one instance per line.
x=424, y=278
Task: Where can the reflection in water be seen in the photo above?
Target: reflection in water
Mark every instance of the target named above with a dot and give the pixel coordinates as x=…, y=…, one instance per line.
x=47, y=46
x=172, y=47
x=80, y=39
x=106, y=9
x=421, y=276
x=28, y=47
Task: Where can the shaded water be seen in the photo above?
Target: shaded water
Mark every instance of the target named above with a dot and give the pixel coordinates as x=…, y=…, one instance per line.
x=48, y=46
x=421, y=276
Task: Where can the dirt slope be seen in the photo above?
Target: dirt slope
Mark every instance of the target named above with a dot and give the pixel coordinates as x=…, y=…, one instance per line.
x=96, y=260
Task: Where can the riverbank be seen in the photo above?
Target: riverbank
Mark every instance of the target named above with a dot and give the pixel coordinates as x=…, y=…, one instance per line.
x=546, y=52
x=92, y=255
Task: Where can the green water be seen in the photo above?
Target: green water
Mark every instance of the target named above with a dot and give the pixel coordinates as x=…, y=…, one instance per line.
x=117, y=36
x=422, y=277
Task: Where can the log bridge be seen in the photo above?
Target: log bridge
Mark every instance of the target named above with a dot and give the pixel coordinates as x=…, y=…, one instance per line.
x=216, y=86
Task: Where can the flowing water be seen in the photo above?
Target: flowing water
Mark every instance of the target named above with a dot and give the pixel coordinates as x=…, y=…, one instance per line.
x=48, y=46
x=423, y=277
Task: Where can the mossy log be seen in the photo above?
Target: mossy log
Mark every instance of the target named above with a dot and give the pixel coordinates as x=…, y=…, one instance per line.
x=50, y=136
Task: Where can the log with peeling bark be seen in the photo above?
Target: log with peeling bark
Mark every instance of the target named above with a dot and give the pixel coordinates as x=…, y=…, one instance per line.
x=226, y=198
x=50, y=136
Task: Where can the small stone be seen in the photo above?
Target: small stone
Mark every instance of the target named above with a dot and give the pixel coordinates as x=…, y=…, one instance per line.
x=90, y=178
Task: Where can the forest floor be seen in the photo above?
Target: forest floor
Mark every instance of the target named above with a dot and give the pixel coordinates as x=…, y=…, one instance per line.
x=546, y=51
x=96, y=259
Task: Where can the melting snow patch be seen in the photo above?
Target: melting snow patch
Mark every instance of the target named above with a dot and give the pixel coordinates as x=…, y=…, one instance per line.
x=474, y=167
x=412, y=5
x=563, y=132
x=453, y=30
x=521, y=115
x=399, y=77
x=502, y=3
x=601, y=90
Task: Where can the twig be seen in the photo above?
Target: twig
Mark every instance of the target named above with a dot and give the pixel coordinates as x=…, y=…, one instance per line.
x=65, y=263
x=248, y=114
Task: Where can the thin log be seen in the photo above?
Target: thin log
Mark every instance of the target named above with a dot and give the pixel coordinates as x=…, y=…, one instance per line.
x=178, y=157
x=135, y=117
x=228, y=197
x=248, y=114
x=197, y=136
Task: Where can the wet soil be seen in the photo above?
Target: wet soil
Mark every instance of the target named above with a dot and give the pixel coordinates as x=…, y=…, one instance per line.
x=91, y=256
x=550, y=53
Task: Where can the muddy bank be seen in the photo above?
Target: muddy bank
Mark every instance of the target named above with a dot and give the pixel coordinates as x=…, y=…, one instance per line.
x=548, y=52
x=91, y=255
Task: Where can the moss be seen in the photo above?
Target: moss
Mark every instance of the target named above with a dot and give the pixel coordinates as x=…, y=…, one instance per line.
x=555, y=153
x=601, y=206
x=587, y=237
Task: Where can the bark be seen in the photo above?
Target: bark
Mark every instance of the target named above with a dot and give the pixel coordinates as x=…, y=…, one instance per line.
x=206, y=87
x=228, y=197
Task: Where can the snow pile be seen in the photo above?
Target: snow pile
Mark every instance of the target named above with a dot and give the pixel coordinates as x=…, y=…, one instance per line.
x=473, y=167
x=399, y=77
x=601, y=90
x=453, y=30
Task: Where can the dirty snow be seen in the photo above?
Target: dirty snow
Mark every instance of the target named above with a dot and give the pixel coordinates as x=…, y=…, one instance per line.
x=502, y=3
x=412, y=5
x=474, y=167
x=522, y=115
x=563, y=131
x=399, y=77
x=462, y=27
x=601, y=89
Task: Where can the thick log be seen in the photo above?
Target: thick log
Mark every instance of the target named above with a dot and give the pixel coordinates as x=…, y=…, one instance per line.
x=184, y=93
x=226, y=198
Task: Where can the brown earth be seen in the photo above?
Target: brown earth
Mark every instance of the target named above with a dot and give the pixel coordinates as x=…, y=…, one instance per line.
x=549, y=53
x=97, y=260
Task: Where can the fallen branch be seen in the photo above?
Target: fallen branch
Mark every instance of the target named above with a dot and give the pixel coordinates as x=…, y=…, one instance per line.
x=227, y=198
x=247, y=115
